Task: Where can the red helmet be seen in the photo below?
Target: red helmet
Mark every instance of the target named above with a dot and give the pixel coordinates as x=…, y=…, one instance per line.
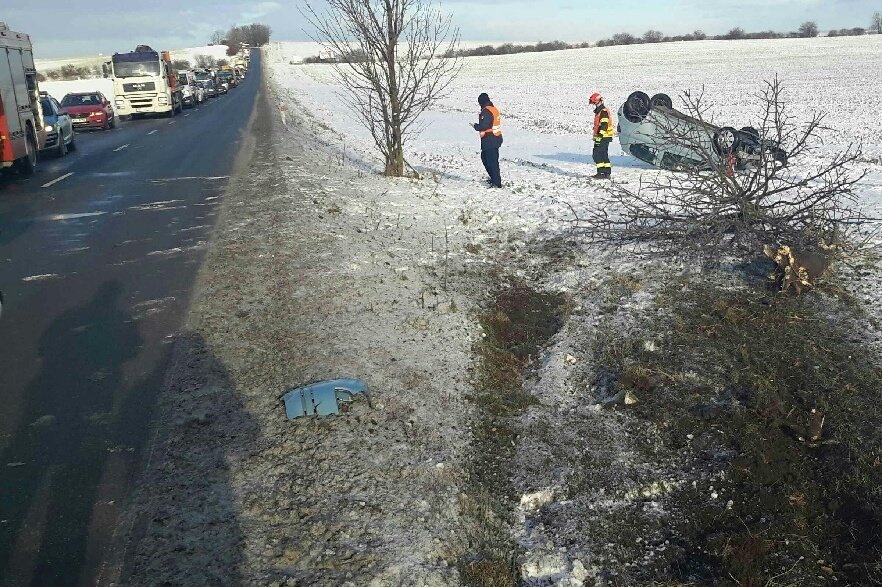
x=595, y=98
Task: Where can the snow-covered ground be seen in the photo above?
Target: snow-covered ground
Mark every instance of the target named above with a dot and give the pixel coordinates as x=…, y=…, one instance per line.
x=547, y=120
x=568, y=535
x=58, y=89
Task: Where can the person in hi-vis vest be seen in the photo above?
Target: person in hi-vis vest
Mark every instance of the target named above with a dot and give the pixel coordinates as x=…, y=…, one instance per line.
x=603, y=136
x=489, y=125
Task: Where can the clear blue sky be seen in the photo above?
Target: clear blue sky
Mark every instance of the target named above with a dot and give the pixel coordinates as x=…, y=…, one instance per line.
x=65, y=28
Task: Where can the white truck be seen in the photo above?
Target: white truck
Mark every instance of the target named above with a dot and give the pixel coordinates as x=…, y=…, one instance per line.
x=145, y=83
x=22, y=131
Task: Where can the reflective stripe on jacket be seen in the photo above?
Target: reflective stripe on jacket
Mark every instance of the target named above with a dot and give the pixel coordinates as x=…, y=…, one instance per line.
x=496, y=129
x=603, y=124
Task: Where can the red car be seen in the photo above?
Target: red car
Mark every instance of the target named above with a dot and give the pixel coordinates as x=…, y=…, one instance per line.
x=89, y=110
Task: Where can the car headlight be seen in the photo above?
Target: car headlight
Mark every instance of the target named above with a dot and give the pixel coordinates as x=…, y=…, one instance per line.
x=96, y=113
x=49, y=128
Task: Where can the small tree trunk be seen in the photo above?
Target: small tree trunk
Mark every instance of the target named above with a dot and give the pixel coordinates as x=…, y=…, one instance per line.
x=395, y=158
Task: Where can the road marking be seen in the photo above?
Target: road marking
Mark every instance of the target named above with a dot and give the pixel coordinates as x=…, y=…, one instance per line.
x=52, y=217
x=186, y=115
x=212, y=177
x=152, y=131
x=57, y=179
x=172, y=122
x=42, y=277
x=121, y=148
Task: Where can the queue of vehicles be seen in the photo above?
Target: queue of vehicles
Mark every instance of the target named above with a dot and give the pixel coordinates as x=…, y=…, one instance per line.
x=144, y=83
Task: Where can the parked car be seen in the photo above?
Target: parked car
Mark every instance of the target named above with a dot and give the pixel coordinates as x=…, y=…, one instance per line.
x=89, y=110
x=226, y=76
x=222, y=87
x=189, y=92
x=652, y=130
x=60, y=136
x=198, y=92
x=208, y=88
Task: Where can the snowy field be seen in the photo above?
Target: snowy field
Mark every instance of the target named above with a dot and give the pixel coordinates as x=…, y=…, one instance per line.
x=600, y=473
x=547, y=120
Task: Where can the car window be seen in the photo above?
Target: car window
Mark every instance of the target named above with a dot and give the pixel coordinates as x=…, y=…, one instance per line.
x=48, y=109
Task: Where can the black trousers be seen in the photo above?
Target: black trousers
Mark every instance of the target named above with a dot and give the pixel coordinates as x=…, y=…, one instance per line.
x=490, y=159
x=601, y=157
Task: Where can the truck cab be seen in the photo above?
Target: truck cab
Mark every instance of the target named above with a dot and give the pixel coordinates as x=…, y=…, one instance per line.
x=22, y=129
x=145, y=83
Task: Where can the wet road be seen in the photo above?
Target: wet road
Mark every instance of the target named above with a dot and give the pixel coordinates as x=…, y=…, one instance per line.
x=98, y=255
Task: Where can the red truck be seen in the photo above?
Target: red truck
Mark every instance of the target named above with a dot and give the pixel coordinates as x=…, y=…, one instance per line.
x=22, y=132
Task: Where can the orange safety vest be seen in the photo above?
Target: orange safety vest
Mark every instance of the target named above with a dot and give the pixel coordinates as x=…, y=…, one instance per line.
x=598, y=119
x=496, y=129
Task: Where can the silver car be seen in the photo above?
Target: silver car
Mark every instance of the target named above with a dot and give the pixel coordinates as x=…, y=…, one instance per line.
x=60, y=137
x=652, y=130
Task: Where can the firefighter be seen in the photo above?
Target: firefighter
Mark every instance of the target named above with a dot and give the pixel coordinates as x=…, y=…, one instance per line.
x=489, y=125
x=603, y=134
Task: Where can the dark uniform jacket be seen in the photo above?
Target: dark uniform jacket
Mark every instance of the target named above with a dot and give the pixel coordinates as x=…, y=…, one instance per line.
x=485, y=122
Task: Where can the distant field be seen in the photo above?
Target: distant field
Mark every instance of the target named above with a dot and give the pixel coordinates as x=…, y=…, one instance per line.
x=216, y=51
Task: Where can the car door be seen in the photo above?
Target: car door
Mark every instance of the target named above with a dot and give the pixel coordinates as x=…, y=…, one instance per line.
x=65, y=122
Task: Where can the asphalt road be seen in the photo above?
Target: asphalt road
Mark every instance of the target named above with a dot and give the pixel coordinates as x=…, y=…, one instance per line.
x=98, y=255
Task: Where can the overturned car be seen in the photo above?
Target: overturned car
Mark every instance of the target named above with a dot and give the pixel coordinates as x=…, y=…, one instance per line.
x=652, y=130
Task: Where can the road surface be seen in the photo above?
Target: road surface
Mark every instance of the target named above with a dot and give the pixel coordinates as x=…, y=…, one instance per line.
x=98, y=255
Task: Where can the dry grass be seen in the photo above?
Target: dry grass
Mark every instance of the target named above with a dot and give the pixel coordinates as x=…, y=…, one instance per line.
x=786, y=405
x=517, y=323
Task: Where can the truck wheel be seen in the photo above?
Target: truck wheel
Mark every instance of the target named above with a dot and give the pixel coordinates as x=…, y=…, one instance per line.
x=726, y=141
x=637, y=107
x=662, y=100
x=27, y=165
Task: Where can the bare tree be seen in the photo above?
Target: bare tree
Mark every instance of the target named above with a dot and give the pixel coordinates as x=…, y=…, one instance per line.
x=735, y=34
x=876, y=23
x=205, y=61
x=808, y=29
x=404, y=69
x=653, y=36
x=217, y=37
x=710, y=208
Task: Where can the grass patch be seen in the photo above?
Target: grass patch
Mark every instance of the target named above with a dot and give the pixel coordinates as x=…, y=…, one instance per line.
x=518, y=322
x=779, y=405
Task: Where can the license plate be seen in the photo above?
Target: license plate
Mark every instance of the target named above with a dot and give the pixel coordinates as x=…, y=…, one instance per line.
x=80, y=120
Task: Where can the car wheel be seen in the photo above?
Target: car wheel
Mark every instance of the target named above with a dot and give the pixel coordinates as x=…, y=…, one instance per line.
x=61, y=150
x=780, y=156
x=113, y=121
x=73, y=141
x=726, y=141
x=662, y=100
x=637, y=107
